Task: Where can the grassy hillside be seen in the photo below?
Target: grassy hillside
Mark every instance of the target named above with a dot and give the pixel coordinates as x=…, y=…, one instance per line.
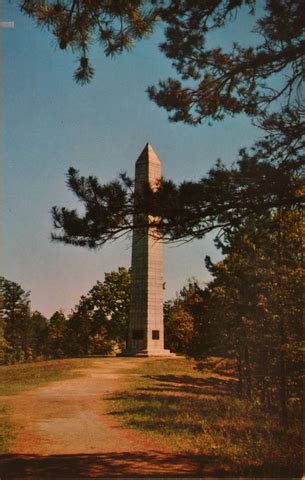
x=200, y=413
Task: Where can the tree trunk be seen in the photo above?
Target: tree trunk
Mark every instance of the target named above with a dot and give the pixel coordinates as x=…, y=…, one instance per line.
x=283, y=376
x=282, y=359
x=240, y=375
x=248, y=374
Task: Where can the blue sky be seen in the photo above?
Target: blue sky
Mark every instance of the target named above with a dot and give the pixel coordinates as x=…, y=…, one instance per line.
x=49, y=123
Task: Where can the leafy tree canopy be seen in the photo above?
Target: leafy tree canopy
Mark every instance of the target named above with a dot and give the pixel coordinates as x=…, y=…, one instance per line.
x=98, y=324
x=185, y=329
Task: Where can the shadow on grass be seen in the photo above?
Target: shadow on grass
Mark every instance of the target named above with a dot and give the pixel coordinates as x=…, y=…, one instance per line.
x=211, y=386
x=222, y=366
x=203, y=414
x=107, y=465
x=167, y=414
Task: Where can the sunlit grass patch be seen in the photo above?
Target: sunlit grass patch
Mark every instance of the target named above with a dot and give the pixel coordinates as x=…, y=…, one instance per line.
x=15, y=378
x=5, y=430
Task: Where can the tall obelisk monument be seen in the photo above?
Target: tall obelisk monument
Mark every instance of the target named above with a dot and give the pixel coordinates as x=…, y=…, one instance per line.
x=146, y=330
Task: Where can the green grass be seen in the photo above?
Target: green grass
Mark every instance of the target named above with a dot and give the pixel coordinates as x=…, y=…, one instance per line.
x=17, y=378
x=5, y=430
x=199, y=413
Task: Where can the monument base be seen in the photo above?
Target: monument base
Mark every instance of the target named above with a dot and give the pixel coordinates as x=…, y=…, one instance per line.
x=147, y=353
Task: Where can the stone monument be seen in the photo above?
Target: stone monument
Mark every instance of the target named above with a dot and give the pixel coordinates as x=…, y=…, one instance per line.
x=146, y=330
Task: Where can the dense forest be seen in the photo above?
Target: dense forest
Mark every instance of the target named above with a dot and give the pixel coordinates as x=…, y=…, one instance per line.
x=96, y=326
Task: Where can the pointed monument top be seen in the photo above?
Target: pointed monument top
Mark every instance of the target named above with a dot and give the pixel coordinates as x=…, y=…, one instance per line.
x=148, y=155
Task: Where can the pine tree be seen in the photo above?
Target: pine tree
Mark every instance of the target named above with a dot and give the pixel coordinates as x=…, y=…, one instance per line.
x=16, y=317
x=57, y=335
x=255, y=305
x=115, y=24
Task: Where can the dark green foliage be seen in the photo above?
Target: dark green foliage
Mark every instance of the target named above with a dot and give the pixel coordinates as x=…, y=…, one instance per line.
x=23, y=334
x=57, y=335
x=98, y=324
x=254, y=307
x=251, y=312
x=268, y=178
x=108, y=210
x=39, y=334
x=16, y=319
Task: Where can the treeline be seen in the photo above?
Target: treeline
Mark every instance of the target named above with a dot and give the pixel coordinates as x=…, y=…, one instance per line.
x=252, y=310
x=97, y=325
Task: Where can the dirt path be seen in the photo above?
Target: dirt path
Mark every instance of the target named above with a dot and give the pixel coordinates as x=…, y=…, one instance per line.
x=68, y=417
x=63, y=431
